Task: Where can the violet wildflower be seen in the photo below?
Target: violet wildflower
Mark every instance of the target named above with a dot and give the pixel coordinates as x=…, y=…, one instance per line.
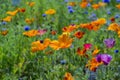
x=109, y=42
x=105, y=58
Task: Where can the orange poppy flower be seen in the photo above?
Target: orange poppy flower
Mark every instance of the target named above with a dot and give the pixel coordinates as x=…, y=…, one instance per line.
x=31, y=4
x=64, y=41
x=79, y=34
x=31, y=33
x=68, y=76
x=114, y=27
x=112, y=19
x=95, y=6
x=21, y=10
x=69, y=28
x=118, y=6
x=83, y=4
x=4, y=32
x=53, y=32
x=37, y=45
x=82, y=52
x=29, y=21
x=7, y=19
x=96, y=51
x=101, y=21
x=86, y=0
x=101, y=4
x=50, y=11
x=12, y=13
x=93, y=64
x=118, y=33
x=72, y=4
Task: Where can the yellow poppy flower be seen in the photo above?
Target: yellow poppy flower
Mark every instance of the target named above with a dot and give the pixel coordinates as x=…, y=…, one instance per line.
x=31, y=33
x=118, y=6
x=7, y=19
x=64, y=41
x=96, y=51
x=37, y=45
x=31, y=4
x=12, y=13
x=29, y=21
x=50, y=11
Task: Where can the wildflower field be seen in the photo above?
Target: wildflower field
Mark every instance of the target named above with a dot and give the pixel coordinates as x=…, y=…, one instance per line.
x=59, y=39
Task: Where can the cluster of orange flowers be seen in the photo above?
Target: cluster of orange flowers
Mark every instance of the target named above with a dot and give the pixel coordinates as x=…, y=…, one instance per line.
x=22, y=10
x=95, y=25
x=115, y=27
x=64, y=41
x=84, y=4
x=93, y=63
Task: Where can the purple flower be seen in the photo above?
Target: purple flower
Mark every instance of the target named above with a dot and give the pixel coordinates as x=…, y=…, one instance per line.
x=105, y=58
x=109, y=42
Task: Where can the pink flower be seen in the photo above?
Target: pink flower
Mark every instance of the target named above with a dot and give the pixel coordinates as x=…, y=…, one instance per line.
x=42, y=31
x=87, y=46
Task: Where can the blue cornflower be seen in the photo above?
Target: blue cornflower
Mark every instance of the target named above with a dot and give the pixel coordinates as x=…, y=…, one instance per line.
x=93, y=15
x=117, y=16
x=106, y=1
x=63, y=62
x=117, y=0
x=88, y=5
x=26, y=28
x=69, y=7
x=71, y=10
x=4, y=23
x=65, y=0
x=15, y=2
x=108, y=12
x=116, y=51
x=86, y=12
x=44, y=15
